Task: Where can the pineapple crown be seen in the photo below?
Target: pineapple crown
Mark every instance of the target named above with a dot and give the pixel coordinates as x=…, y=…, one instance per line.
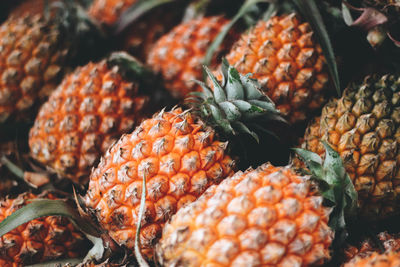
x=335, y=186
x=77, y=29
x=234, y=106
x=130, y=67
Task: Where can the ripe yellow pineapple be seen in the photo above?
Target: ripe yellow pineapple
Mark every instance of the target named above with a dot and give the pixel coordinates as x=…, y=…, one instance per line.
x=179, y=54
x=179, y=153
x=285, y=58
x=91, y=109
x=41, y=239
x=390, y=259
x=34, y=53
x=269, y=216
x=363, y=126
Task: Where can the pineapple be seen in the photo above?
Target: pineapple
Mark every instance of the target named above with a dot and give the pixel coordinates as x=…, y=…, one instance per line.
x=283, y=55
x=390, y=242
x=363, y=126
x=41, y=239
x=108, y=12
x=270, y=216
x=179, y=153
x=91, y=109
x=179, y=54
x=390, y=259
x=34, y=53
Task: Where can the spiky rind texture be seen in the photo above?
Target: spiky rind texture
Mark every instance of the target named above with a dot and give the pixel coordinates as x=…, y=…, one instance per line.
x=265, y=217
x=390, y=242
x=390, y=259
x=32, y=57
x=41, y=239
x=179, y=54
x=90, y=110
x=109, y=11
x=363, y=127
x=179, y=158
x=287, y=61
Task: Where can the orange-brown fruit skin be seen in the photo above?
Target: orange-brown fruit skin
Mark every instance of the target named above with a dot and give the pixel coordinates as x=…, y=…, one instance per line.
x=390, y=259
x=108, y=12
x=390, y=242
x=265, y=217
x=40, y=240
x=178, y=157
x=285, y=58
x=363, y=127
x=178, y=55
x=32, y=57
x=90, y=110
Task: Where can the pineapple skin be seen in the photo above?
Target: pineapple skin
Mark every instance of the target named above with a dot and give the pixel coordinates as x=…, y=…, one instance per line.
x=178, y=55
x=89, y=111
x=390, y=242
x=265, y=217
x=390, y=259
x=363, y=127
x=179, y=158
x=289, y=64
x=32, y=59
x=41, y=239
x=108, y=12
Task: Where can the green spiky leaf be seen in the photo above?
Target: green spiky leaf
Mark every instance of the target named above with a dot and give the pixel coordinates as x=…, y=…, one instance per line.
x=139, y=257
x=138, y=9
x=235, y=106
x=310, y=11
x=335, y=186
x=221, y=36
x=46, y=207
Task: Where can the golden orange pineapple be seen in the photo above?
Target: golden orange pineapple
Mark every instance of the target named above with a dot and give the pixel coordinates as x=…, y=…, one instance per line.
x=390, y=259
x=179, y=154
x=363, y=126
x=34, y=53
x=270, y=216
x=179, y=54
x=109, y=11
x=41, y=239
x=287, y=61
x=91, y=109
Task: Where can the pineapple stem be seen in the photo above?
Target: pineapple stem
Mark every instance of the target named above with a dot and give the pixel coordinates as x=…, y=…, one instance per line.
x=131, y=67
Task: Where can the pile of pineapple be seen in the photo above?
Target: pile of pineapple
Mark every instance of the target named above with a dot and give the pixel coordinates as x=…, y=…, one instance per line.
x=200, y=133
